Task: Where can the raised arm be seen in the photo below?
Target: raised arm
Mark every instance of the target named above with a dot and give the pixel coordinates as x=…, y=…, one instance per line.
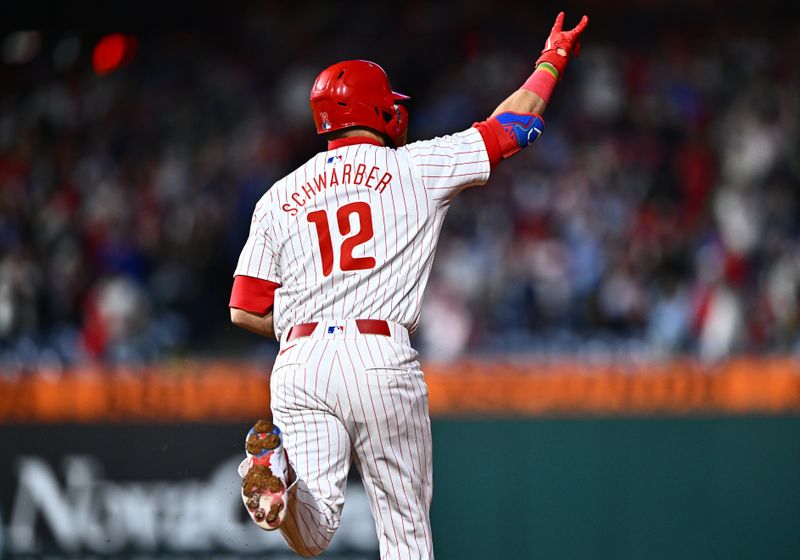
x=517, y=121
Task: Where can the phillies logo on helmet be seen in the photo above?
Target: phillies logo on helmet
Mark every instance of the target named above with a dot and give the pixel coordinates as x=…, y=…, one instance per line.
x=357, y=93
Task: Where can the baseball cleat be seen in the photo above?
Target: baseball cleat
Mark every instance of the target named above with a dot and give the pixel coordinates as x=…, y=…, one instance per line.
x=264, y=472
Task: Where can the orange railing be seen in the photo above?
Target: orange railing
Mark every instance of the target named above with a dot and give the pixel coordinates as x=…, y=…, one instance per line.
x=191, y=391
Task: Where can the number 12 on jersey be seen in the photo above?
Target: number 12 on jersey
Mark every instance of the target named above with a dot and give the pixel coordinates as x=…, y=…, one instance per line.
x=347, y=261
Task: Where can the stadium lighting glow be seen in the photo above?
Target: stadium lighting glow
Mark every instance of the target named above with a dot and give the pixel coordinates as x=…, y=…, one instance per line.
x=112, y=52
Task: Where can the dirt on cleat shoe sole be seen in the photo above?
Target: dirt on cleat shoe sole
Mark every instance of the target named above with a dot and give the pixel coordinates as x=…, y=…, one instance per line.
x=264, y=473
x=257, y=480
x=257, y=443
x=263, y=426
x=253, y=501
x=272, y=516
x=275, y=485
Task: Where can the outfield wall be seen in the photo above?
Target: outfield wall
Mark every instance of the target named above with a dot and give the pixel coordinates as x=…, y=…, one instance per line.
x=645, y=488
x=530, y=461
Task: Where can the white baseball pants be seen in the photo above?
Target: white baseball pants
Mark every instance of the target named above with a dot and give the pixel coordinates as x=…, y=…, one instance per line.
x=340, y=395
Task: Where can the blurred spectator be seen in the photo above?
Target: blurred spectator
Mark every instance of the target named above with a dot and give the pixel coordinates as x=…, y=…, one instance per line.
x=115, y=318
x=658, y=211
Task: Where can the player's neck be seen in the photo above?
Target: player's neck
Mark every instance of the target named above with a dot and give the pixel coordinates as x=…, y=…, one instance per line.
x=354, y=136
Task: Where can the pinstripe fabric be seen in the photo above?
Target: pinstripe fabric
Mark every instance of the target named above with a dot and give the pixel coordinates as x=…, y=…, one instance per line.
x=407, y=213
x=348, y=396
x=341, y=396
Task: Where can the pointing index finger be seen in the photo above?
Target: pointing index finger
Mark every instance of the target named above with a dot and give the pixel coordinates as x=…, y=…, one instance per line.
x=559, y=22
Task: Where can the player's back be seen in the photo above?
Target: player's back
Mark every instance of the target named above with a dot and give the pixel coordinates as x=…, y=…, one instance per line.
x=352, y=232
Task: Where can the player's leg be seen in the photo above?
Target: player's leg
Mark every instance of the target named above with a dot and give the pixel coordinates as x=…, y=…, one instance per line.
x=319, y=452
x=392, y=442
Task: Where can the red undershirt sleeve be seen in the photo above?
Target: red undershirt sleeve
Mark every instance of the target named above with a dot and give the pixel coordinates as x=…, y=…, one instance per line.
x=253, y=294
x=491, y=143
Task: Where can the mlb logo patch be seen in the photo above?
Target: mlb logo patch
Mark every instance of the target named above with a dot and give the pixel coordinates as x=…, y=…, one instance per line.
x=326, y=123
x=336, y=329
x=334, y=158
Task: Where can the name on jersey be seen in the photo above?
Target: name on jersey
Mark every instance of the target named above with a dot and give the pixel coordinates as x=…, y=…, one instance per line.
x=348, y=174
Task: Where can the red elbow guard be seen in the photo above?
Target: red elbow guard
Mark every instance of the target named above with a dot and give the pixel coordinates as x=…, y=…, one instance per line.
x=507, y=133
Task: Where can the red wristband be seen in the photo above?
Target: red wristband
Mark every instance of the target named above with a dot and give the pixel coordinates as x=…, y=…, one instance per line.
x=541, y=82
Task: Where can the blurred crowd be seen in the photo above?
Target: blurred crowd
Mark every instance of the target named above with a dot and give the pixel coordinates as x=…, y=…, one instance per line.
x=657, y=216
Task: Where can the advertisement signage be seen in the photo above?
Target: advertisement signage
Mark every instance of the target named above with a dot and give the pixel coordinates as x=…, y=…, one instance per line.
x=139, y=492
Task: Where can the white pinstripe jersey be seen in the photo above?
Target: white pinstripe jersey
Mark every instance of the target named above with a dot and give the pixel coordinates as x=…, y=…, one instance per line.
x=352, y=233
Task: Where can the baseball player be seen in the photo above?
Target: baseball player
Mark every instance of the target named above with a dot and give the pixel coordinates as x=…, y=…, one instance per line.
x=335, y=267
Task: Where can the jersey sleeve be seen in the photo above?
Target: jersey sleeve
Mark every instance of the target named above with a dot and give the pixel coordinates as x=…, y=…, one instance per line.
x=449, y=164
x=259, y=256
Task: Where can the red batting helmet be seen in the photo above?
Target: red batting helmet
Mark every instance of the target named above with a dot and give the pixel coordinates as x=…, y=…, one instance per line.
x=357, y=93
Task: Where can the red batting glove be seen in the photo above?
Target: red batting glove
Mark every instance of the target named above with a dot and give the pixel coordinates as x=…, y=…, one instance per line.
x=561, y=44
